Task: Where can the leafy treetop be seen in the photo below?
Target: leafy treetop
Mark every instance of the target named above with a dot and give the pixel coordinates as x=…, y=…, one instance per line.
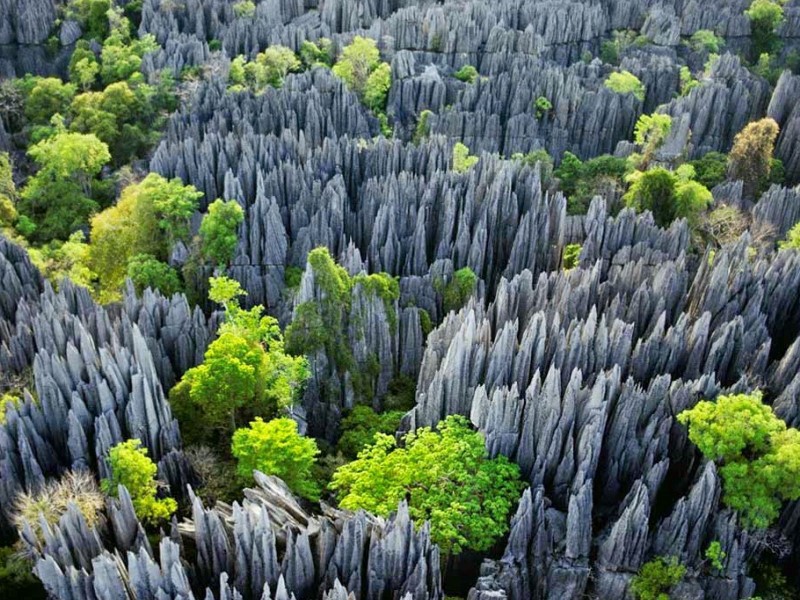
x=447, y=478
x=131, y=467
x=276, y=448
x=759, y=457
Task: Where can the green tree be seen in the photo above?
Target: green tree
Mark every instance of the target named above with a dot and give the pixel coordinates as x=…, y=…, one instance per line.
x=121, y=56
x=572, y=253
x=146, y=271
x=245, y=372
x=91, y=14
x=543, y=106
x=83, y=65
x=462, y=160
x=715, y=555
x=751, y=155
x=59, y=197
x=244, y=9
x=653, y=190
x=457, y=291
x=218, y=238
x=705, y=39
x=656, y=577
x=149, y=216
x=269, y=67
x=765, y=18
x=376, y=90
x=759, y=457
x=624, y=82
x=360, y=58
x=467, y=74
x=130, y=466
x=8, y=192
x=360, y=426
x=49, y=96
x=447, y=478
x=275, y=448
x=315, y=54
x=792, y=240
x=710, y=169
x=70, y=259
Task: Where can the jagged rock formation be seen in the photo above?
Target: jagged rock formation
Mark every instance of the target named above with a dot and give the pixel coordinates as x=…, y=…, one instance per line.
x=267, y=547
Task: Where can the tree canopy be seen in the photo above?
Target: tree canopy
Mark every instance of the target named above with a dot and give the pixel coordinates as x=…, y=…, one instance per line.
x=59, y=198
x=131, y=467
x=245, y=372
x=276, y=448
x=218, y=230
x=759, y=456
x=447, y=478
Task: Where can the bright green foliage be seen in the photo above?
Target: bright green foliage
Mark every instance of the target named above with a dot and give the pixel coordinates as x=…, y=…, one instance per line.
x=759, y=457
x=655, y=579
x=70, y=259
x=376, y=90
x=425, y=321
x=4, y=400
x=360, y=58
x=691, y=199
x=667, y=195
x=244, y=9
x=361, y=425
x=91, y=14
x=423, y=127
x=765, y=17
x=542, y=157
x=225, y=291
x=447, y=478
x=116, y=116
x=292, y=277
x=323, y=325
x=320, y=325
x=688, y=82
x=625, y=82
x=317, y=54
x=705, y=39
x=581, y=181
x=650, y=132
x=715, y=555
x=245, y=372
x=751, y=155
x=218, y=231
x=653, y=190
x=146, y=271
x=711, y=169
x=467, y=74
x=269, y=68
x=83, y=66
x=49, y=96
x=121, y=56
x=572, y=253
x=275, y=448
x=59, y=197
x=173, y=205
x=149, y=216
x=131, y=467
x=462, y=160
x=792, y=240
x=543, y=106
x=457, y=291
x=8, y=192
